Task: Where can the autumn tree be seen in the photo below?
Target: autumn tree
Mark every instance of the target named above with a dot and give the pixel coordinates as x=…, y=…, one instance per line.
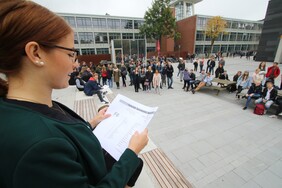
x=214, y=27
x=159, y=21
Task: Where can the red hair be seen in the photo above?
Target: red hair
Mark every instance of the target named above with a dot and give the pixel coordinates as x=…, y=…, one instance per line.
x=21, y=22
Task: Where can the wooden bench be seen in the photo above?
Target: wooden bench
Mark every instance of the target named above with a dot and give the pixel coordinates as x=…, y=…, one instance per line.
x=164, y=172
x=88, y=108
x=218, y=89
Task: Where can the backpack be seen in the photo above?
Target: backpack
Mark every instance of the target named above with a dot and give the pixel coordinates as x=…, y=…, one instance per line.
x=259, y=109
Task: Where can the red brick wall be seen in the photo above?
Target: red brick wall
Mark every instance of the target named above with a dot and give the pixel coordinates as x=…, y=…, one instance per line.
x=187, y=28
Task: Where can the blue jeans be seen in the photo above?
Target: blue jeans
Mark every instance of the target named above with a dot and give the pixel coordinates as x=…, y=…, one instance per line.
x=267, y=103
x=110, y=82
x=169, y=82
x=250, y=98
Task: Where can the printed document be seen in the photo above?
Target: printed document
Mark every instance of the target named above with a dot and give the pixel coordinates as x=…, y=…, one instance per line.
x=127, y=116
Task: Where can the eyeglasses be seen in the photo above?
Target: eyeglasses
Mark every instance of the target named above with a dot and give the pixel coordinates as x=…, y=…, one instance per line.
x=72, y=56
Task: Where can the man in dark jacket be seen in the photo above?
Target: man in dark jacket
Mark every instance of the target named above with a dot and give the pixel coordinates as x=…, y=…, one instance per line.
x=254, y=92
x=92, y=87
x=169, y=73
x=212, y=65
x=269, y=95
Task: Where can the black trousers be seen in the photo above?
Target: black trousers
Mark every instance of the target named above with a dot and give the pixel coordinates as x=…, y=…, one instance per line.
x=110, y=161
x=279, y=109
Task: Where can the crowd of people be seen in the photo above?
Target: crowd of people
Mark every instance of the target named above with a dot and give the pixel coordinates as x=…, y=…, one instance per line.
x=157, y=73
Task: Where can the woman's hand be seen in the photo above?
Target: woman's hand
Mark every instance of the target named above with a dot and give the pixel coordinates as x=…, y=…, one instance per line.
x=138, y=141
x=99, y=117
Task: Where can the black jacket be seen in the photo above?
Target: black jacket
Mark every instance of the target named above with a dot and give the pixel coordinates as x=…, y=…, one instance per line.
x=169, y=71
x=255, y=89
x=273, y=94
x=212, y=64
x=192, y=76
x=219, y=71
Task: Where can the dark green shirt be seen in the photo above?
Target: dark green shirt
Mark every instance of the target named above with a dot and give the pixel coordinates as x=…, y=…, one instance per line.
x=38, y=151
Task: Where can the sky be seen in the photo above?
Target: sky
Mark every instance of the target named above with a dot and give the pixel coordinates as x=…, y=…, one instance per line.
x=240, y=9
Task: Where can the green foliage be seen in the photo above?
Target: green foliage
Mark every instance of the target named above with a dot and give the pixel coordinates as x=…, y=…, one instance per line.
x=159, y=21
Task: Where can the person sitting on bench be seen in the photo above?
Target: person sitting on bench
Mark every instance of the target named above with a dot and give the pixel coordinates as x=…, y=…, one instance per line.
x=92, y=87
x=206, y=82
x=79, y=82
x=255, y=91
x=269, y=95
x=279, y=109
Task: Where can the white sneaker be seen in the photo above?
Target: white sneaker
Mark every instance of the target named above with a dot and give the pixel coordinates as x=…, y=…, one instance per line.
x=280, y=114
x=273, y=116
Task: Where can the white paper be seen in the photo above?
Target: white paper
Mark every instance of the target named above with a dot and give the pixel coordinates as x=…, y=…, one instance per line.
x=127, y=116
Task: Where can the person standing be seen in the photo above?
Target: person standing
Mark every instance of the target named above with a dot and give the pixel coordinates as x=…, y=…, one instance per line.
x=212, y=65
x=116, y=74
x=202, y=61
x=110, y=76
x=104, y=74
x=123, y=74
x=186, y=80
x=196, y=65
x=143, y=78
x=169, y=72
x=149, y=79
x=44, y=144
x=181, y=68
x=157, y=81
x=208, y=65
x=136, y=79
x=163, y=74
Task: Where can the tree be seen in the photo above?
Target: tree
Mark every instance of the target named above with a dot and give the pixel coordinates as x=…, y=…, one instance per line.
x=159, y=21
x=215, y=26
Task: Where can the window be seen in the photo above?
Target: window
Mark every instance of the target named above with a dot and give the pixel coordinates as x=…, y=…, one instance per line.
x=179, y=11
x=75, y=38
x=139, y=36
x=225, y=37
x=216, y=48
x=138, y=23
x=207, y=48
x=113, y=36
x=235, y=25
x=83, y=22
x=201, y=22
x=231, y=48
x=70, y=20
x=252, y=37
x=239, y=36
x=232, y=36
x=102, y=50
x=101, y=38
x=238, y=48
x=244, y=47
x=113, y=23
x=200, y=36
x=249, y=26
x=88, y=51
x=245, y=37
x=199, y=49
x=223, y=48
x=99, y=23
x=126, y=24
x=86, y=37
x=127, y=36
x=228, y=24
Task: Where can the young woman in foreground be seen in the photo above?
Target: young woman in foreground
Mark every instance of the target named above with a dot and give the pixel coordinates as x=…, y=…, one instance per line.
x=43, y=143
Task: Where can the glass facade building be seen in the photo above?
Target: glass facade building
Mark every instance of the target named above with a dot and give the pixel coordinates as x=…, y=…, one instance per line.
x=93, y=33
x=240, y=35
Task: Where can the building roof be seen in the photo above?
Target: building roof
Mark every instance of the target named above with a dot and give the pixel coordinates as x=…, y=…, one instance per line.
x=173, y=2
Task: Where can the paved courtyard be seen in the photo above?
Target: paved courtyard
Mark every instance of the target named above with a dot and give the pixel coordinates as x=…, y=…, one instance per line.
x=209, y=138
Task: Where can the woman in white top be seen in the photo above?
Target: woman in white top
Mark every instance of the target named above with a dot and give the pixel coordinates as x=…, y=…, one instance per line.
x=258, y=76
x=157, y=81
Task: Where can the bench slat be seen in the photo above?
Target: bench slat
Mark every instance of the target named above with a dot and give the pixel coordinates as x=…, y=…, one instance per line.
x=164, y=171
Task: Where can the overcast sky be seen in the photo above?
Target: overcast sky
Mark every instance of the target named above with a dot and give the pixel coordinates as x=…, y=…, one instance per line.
x=241, y=9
